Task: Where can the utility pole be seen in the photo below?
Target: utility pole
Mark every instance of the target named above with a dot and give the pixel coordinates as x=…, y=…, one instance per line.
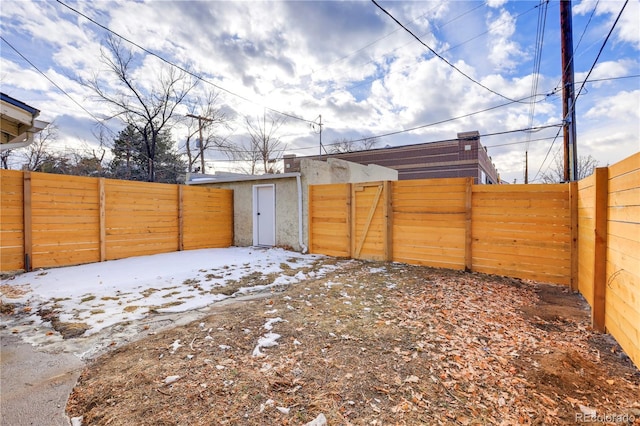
x=568, y=93
x=200, y=120
x=526, y=167
x=320, y=127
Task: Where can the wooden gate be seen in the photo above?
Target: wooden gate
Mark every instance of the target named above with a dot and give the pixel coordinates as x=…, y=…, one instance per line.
x=370, y=230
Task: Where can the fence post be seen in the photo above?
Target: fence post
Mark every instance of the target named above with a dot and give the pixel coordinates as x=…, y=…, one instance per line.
x=468, y=241
x=180, y=217
x=28, y=226
x=103, y=220
x=388, y=218
x=310, y=195
x=574, y=256
x=348, y=188
x=600, y=250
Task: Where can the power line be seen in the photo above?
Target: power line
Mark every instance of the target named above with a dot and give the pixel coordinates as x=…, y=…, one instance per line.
x=584, y=31
x=369, y=45
x=505, y=132
x=483, y=4
x=546, y=156
x=444, y=121
x=487, y=31
x=535, y=73
x=610, y=78
x=518, y=143
x=438, y=55
x=599, y=53
x=100, y=122
x=405, y=68
x=595, y=80
x=391, y=33
x=196, y=76
x=527, y=129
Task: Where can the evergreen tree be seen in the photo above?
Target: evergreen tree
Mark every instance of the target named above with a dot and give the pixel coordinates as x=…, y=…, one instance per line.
x=131, y=162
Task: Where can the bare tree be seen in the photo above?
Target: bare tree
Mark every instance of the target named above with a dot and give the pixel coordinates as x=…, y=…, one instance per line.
x=4, y=158
x=586, y=166
x=148, y=109
x=264, y=143
x=245, y=157
x=203, y=121
x=40, y=151
x=348, y=145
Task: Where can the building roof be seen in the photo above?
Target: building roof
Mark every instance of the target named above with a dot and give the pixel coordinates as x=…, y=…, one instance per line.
x=6, y=98
x=461, y=157
x=17, y=122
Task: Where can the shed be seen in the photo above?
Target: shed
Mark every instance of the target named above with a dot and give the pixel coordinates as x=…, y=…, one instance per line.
x=272, y=209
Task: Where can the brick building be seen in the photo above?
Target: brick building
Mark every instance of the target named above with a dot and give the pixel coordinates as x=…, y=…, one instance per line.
x=461, y=157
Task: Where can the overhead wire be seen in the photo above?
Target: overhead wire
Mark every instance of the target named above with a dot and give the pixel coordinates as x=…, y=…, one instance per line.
x=547, y=155
x=405, y=68
x=369, y=44
x=302, y=119
x=586, y=79
x=504, y=132
x=535, y=73
x=489, y=30
x=558, y=134
x=584, y=31
x=376, y=59
x=438, y=55
x=483, y=4
x=444, y=121
x=179, y=67
x=64, y=92
x=599, y=53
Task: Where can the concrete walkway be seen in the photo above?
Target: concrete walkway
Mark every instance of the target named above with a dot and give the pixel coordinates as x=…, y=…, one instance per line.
x=34, y=386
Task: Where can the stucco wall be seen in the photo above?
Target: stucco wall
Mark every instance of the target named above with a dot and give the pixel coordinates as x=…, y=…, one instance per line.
x=286, y=194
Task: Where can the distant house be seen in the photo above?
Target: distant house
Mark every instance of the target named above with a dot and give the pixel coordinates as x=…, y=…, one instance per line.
x=18, y=123
x=272, y=210
x=461, y=157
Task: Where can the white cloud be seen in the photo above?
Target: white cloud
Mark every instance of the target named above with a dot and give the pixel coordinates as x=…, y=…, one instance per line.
x=627, y=27
x=504, y=52
x=622, y=106
x=496, y=3
x=345, y=60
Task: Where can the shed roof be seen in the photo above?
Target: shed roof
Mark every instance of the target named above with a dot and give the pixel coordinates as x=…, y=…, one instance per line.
x=202, y=179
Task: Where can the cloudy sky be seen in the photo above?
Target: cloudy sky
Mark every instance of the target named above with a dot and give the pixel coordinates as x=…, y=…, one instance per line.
x=350, y=63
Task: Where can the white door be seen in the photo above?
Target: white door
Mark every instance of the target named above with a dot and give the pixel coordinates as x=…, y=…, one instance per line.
x=264, y=215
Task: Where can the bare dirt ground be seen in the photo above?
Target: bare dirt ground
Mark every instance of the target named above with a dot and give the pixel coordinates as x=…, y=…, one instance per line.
x=373, y=344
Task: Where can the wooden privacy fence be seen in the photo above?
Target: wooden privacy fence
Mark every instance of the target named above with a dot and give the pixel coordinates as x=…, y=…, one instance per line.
x=522, y=231
x=609, y=250
x=55, y=220
x=585, y=234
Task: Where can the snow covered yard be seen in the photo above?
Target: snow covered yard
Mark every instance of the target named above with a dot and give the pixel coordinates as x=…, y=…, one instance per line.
x=52, y=305
x=372, y=343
